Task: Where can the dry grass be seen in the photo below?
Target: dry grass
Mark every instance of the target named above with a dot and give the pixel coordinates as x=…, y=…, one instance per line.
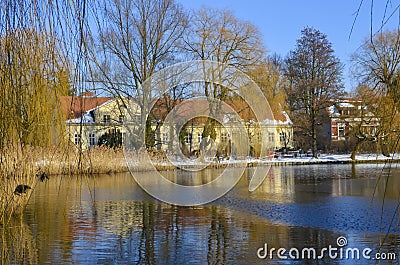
x=71, y=161
x=105, y=160
x=24, y=164
x=16, y=168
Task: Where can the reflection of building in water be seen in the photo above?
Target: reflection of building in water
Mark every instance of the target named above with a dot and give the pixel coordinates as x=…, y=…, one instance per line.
x=364, y=180
x=340, y=185
x=388, y=185
x=279, y=185
x=192, y=178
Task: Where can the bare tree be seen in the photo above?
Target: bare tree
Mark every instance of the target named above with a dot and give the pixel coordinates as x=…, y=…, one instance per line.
x=377, y=65
x=217, y=35
x=135, y=39
x=313, y=73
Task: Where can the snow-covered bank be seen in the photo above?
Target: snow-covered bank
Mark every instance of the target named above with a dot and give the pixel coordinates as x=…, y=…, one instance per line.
x=344, y=158
x=322, y=159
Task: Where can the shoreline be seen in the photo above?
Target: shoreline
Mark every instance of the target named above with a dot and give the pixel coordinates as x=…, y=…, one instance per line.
x=280, y=162
x=120, y=166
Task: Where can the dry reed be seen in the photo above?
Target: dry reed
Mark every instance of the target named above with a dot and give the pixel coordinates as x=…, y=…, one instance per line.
x=24, y=165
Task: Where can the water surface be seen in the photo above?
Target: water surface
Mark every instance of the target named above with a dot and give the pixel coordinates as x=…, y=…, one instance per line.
x=108, y=219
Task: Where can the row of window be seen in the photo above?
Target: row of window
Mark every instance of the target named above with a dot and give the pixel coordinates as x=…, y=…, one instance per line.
x=107, y=118
x=91, y=138
x=224, y=137
x=187, y=139
x=121, y=118
x=347, y=112
x=341, y=128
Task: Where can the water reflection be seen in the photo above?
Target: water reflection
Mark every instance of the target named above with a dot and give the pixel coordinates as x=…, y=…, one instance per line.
x=302, y=184
x=18, y=243
x=110, y=220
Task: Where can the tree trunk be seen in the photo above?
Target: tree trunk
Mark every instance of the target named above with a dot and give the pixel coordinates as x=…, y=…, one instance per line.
x=353, y=153
x=314, y=146
x=355, y=149
x=314, y=139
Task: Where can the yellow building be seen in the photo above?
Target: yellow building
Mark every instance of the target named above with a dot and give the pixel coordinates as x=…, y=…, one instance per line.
x=95, y=120
x=100, y=120
x=277, y=134
x=235, y=119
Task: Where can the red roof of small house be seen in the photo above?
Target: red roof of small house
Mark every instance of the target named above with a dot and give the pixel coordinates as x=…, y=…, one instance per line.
x=75, y=106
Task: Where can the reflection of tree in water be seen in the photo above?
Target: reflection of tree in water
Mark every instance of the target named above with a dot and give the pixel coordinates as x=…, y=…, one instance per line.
x=217, y=238
x=18, y=244
x=147, y=235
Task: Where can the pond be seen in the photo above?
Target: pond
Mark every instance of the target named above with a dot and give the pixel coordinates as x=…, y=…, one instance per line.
x=108, y=219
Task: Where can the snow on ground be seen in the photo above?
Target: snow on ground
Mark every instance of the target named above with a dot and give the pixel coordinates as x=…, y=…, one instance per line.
x=133, y=163
x=326, y=158
x=323, y=158
x=329, y=158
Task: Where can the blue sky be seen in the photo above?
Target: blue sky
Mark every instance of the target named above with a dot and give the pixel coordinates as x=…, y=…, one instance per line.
x=281, y=21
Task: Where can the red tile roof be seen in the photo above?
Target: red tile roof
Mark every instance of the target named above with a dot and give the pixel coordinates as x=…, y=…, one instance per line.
x=75, y=106
x=188, y=108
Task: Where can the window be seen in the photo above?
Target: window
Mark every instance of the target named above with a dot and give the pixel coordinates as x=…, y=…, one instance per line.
x=165, y=137
x=259, y=137
x=282, y=137
x=106, y=118
x=369, y=130
x=77, y=138
x=121, y=118
x=224, y=137
x=271, y=137
x=341, y=130
x=92, y=139
x=199, y=137
x=188, y=138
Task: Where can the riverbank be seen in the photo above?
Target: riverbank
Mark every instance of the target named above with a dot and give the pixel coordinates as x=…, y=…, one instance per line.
x=284, y=161
x=105, y=160
x=334, y=159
